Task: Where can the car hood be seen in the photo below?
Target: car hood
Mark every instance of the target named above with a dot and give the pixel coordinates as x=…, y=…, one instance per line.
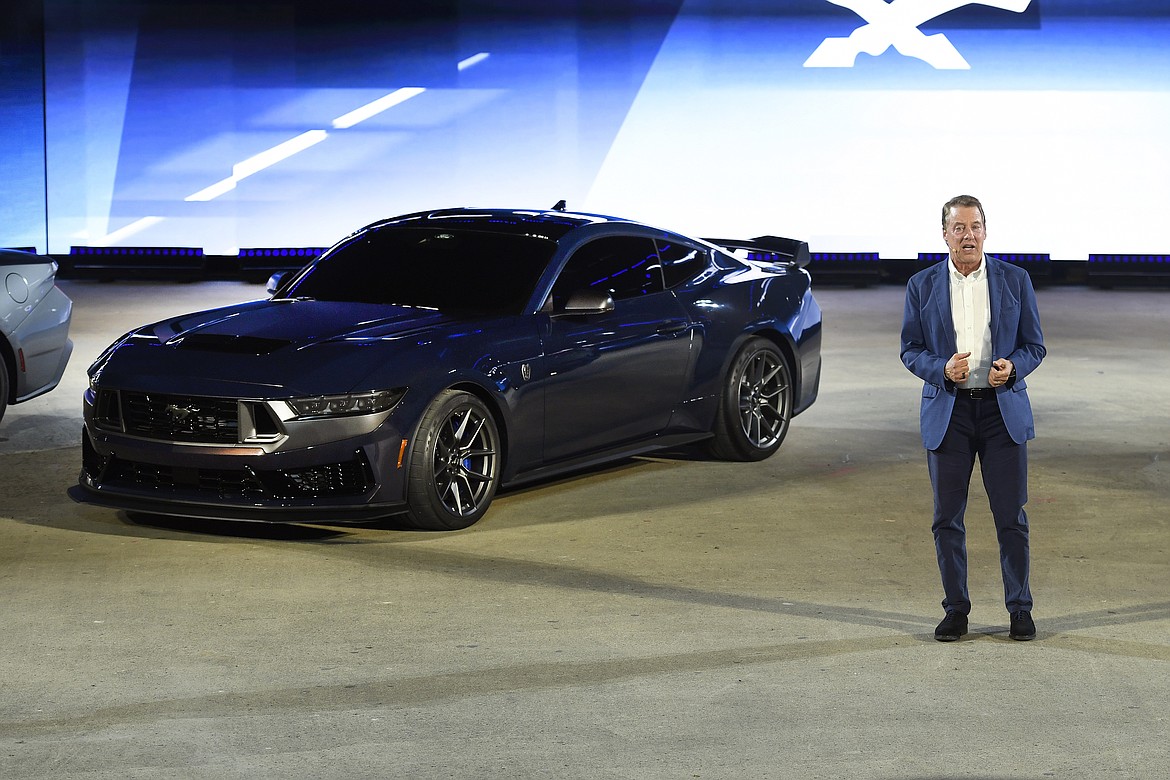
x=268, y=349
x=264, y=327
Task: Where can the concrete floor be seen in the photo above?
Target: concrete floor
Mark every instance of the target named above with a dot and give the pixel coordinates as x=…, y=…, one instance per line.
x=668, y=617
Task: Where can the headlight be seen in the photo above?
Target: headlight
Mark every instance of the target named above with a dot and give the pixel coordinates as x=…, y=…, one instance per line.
x=348, y=404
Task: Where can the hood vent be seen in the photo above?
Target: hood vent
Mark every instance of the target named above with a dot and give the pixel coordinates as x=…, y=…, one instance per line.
x=235, y=345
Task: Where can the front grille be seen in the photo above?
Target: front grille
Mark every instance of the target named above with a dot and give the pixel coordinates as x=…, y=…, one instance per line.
x=348, y=478
x=227, y=484
x=182, y=418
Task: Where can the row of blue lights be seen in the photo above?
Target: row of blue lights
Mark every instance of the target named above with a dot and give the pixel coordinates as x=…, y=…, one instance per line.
x=1008, y=257
x=311, y=252
x=852, y=257
x=131, y=251
x=1015, y=257
x=1130, y=259
x=302, y=252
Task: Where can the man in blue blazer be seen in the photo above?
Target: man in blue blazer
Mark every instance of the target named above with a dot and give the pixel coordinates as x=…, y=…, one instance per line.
x=971, y=333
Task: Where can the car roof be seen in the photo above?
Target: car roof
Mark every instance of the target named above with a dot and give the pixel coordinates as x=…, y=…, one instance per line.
x=550, y=224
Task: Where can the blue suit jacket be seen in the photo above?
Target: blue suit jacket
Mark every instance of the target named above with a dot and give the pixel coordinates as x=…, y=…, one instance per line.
x=928, y=342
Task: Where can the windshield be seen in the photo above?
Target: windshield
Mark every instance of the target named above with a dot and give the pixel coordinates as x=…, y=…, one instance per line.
x=447, y=270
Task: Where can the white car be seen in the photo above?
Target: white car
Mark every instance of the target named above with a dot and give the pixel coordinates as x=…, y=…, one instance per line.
x=34, y=327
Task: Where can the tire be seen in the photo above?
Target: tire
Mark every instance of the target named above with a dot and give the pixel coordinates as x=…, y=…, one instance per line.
x=454, y=467
x=755, y=407
x=3, y=387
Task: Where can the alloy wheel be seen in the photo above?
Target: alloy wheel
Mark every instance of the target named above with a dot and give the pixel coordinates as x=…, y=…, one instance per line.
x=466, y=460
x=763, y=399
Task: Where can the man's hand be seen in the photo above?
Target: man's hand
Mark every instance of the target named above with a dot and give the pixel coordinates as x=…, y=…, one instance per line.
x=956, y=369
x=1001, y=372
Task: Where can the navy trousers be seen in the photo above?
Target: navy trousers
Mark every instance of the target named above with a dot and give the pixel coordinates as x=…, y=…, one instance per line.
x=976, y=430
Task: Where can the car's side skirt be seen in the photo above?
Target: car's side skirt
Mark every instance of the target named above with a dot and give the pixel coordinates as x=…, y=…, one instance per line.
x=606, y=456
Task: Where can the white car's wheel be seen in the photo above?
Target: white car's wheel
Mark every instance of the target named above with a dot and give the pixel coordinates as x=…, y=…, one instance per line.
x=3, y=387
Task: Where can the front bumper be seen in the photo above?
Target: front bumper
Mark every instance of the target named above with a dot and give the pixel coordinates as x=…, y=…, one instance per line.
x=358, y=479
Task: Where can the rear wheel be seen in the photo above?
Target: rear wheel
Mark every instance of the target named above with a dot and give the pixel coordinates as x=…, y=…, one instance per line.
x=455, y=466
x=756, y=405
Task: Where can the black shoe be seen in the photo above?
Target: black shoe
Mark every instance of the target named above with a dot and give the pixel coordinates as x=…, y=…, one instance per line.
x=1022, y=627
x=953, y=626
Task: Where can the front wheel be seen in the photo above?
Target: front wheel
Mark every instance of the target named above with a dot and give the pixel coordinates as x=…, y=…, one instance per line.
x=756, y=404
x=455, y=466
x=3, y=387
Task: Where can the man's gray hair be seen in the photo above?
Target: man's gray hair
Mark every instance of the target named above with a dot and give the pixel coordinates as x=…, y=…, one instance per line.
x=962, y=200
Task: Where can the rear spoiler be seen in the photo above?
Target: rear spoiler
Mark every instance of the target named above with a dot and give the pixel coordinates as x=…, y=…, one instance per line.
x=769, y=248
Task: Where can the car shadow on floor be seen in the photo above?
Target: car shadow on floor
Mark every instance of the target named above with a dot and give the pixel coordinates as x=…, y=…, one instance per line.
x=280, y=532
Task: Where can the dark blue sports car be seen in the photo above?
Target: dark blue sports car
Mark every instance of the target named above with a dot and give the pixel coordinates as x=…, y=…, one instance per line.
x=426, y=360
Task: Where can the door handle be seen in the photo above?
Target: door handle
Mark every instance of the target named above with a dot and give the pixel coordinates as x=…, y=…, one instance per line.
x=674, y=326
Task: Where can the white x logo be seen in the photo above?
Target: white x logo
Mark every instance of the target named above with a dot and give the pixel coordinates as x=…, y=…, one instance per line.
x=896, y=24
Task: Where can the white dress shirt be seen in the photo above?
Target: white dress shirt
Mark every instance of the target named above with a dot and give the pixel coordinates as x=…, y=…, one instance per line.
x=971, y=313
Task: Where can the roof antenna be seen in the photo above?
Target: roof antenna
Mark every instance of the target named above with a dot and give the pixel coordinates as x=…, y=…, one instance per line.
x=560, y=205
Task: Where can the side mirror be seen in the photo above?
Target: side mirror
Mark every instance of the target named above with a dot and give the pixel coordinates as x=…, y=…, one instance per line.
x=274, y=282
x=589, y=302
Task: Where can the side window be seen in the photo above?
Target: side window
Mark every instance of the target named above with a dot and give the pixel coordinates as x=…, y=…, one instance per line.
x=681, y=262
x=624, y=266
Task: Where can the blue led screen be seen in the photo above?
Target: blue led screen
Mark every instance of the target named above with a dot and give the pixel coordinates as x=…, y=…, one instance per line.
x=22, y=129
x=227, y=125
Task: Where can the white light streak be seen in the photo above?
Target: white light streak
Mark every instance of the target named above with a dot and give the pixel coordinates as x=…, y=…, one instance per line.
x=214, y=191
x=474, y=59
x=259, y=162
x=376, y=107
x=270, y=157
x=265, y=159
x=125, y=232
